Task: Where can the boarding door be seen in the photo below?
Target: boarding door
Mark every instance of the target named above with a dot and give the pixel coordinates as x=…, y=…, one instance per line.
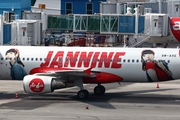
x=155, y=27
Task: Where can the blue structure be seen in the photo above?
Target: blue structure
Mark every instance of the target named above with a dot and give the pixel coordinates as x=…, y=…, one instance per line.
x=17, y=5
x=80, y=6
x=127, y=24
x=6, y=33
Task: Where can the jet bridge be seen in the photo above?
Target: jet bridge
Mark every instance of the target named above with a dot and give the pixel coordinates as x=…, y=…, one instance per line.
x=99, y=23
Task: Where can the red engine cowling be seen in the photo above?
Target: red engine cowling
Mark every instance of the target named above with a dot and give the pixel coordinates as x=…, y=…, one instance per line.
x=41, y=84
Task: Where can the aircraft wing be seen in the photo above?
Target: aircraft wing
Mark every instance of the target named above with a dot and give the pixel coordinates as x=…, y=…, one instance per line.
x=70, y=72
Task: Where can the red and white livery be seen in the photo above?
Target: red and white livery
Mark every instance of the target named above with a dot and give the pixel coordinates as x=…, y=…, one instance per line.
x=45, y=69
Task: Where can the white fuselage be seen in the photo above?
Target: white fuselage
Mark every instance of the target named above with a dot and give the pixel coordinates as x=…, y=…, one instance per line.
x=131, y=64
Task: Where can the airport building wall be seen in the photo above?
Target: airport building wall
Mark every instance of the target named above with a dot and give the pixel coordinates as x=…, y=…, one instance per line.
x=16, y=6
x=80, y=6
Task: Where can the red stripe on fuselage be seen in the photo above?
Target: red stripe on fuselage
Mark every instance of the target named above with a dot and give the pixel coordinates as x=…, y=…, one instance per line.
x=103, y=77
x=100, y=77
x=45, y=70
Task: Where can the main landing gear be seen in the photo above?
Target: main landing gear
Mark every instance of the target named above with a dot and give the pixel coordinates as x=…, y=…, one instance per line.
x=99, y=90
x=84, y=94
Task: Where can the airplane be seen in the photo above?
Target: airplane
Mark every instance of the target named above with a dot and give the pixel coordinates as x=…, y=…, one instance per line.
x=45, y=69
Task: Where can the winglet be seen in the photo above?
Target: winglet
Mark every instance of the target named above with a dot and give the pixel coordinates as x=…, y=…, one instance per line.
x=88, y=71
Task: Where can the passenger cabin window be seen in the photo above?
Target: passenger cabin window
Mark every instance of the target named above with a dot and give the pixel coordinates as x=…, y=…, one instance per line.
x=68, y=8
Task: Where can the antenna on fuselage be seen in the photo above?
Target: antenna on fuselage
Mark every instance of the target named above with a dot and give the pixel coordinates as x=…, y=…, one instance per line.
x=119, y=83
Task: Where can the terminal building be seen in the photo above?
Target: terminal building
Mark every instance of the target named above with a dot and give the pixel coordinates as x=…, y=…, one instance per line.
x=11, y=10
x=92, y=21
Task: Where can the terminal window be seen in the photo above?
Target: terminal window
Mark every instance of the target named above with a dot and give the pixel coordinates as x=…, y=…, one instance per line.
x=89, y=9
x=68, y=8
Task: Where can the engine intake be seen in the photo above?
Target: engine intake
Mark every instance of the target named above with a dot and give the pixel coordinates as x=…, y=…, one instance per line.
x=41, y=84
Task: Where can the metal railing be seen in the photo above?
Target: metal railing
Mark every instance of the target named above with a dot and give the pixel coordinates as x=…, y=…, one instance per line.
x=12, y=42
x=25, y=41
x=141, y=38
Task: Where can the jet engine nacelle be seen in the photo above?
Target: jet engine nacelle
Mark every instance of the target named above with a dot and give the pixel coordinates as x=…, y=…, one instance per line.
x=41, y=84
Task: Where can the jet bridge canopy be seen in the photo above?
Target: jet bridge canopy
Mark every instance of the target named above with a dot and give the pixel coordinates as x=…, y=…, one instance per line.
x=101, y=23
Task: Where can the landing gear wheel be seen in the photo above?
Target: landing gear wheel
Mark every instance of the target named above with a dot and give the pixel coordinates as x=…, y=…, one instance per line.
x=99, y=90
x=83, y=94
x=103, y=89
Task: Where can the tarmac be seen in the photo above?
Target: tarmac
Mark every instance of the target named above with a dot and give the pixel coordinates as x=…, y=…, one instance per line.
x=130, y=101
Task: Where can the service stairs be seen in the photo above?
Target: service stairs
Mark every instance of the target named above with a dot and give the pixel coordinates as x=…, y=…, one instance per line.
x=135, y=41
x=23, y=42
x=11, y=43
x=141, y=38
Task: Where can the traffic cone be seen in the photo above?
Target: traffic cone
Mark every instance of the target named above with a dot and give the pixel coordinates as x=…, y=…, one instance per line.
x=157, y=85
x=87, y=107
x=16, y=95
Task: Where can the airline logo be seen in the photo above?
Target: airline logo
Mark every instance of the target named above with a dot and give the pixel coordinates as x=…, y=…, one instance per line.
x=175, y=27
x=36, y=85
x=83, y=59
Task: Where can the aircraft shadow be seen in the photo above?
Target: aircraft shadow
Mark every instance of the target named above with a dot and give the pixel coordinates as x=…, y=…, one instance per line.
x=29, y=102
